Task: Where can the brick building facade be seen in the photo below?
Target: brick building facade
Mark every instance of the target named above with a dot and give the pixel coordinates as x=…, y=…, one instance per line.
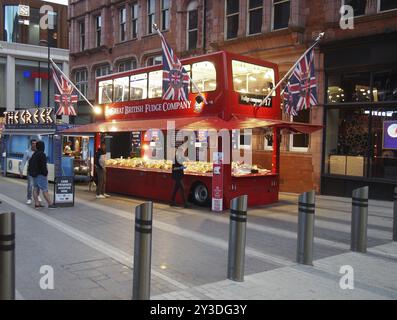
x=274, y=30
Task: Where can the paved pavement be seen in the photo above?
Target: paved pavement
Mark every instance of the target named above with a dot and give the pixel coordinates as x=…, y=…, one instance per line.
x=90, y=248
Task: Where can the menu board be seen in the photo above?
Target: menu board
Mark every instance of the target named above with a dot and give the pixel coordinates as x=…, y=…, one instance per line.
x=136, y=143
x=64, y=191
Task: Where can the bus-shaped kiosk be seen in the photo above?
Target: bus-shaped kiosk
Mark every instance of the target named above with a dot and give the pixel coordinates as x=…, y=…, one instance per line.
x=143, y=131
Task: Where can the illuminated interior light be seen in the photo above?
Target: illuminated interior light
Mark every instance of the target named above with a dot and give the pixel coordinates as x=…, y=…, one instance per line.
x=252, y=78
x=145, y=147
x=238, y=80
x=97, y=110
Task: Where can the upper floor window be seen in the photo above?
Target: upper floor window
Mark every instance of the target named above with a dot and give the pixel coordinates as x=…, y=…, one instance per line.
x=151, y=7
x=98, y=31
x=255, y=16
x=281, y=14
x=358, y=6
x=384, y=5
x=232, y=16
x=134, y=21
x=165, y=14
x=127, y=65
x=252, y=79
x=82, y=35
x=152, y=61
x=81, y=79
x=192, y=26
x=123, y=23
x=102, y=70
x=204, y=75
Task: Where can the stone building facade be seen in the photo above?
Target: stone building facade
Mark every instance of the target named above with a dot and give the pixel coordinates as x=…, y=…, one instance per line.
x=274, y=30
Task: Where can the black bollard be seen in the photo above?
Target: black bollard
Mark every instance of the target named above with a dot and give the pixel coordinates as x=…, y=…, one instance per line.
x=359, y=222
x=7, y=256
x=237, y=238
x=395, y=215
x=306, y=213
x=142, y=251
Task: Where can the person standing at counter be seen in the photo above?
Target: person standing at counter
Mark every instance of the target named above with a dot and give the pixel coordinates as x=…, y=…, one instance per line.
x=177, y=176
x=39, y=171
x=100, y=159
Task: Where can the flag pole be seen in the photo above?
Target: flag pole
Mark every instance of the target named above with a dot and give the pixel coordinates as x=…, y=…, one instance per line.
x=191, y=80
x=71, y=83
x=318, y=39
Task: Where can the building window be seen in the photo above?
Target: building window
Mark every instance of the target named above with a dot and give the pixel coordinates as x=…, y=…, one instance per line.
x=165, y=14
x=25, y=28
x=81, y=79
x=349, y=87
x=134, y=17
x=102, y=70
x=151, y=7
x=123, y=23
x=98, y=31
x=192, y=26
x=281, y=14
x=385, y=5
x=358, y=6
x=255, y=14
x=127, y=65
x=82, y=35
x=232, y=16
x=152, y=61
x=300, y=141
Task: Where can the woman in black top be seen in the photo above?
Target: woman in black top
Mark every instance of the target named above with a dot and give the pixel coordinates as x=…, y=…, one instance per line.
x=38, y=170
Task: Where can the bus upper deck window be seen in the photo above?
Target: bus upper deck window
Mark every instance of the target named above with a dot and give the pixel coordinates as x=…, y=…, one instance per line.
x=204, y=75
x=121, y=89
x=156, y=84
x=138, y=86
x=105, y=91
x=252, y=79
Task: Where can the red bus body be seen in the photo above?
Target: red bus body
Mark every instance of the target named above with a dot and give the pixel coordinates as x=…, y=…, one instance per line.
x=224, y=103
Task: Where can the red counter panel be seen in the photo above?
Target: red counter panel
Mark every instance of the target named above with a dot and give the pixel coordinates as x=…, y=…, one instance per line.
x=157, y=185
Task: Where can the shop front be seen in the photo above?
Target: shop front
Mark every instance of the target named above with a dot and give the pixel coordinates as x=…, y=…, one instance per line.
x=143, y=132
x=361, y=117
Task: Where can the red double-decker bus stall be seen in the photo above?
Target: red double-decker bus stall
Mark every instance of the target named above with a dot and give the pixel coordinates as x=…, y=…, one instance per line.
x=143, y=131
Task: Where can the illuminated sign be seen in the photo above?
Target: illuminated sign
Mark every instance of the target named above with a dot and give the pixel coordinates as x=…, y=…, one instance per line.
x=31, y=118
x=23, y=11
x=390, y=135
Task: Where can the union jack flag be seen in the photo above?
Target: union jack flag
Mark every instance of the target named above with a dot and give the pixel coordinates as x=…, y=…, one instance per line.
x=65, y=98
x=300, y=92
x=175, y=78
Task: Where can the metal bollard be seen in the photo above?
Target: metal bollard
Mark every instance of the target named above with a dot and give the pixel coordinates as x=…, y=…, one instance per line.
x=306, y=213
x=358, y=241
x=7, y=256
x=142, y=251
x=237, y=238
x=395, y=215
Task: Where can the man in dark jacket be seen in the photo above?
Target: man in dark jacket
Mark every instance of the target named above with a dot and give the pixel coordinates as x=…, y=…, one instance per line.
x=100, y=167
x=177, y=176
x=38, y=170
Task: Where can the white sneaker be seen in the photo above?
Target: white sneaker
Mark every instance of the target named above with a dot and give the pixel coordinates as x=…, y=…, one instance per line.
x=40, y=199
x=101, y=197
x=106, y=195
x=29, y=202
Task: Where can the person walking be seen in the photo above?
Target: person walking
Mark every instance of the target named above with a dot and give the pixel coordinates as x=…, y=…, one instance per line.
x=100, y=159
x=39, y=171
x=177, y=176
x=26, y=157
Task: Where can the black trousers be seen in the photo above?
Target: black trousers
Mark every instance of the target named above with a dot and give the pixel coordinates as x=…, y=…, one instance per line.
x=178, y=187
